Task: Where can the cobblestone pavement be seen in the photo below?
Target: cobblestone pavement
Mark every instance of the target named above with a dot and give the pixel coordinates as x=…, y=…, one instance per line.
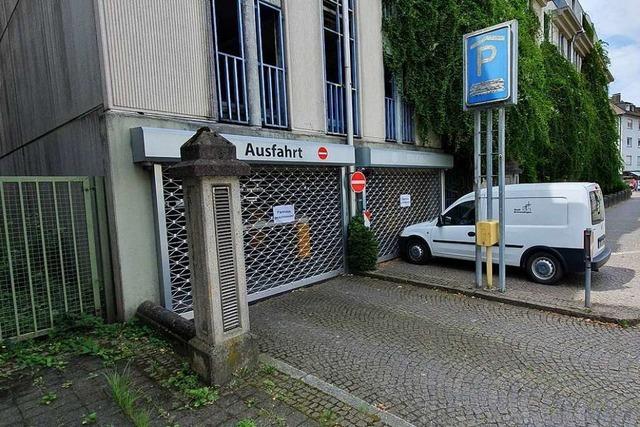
x=80, y=395
x=434, y=358
x=615, y=288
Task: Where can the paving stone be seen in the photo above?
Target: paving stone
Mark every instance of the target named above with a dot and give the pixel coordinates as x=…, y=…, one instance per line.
x=436, y=358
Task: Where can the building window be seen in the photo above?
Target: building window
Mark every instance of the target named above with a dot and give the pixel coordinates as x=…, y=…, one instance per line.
x=629, y=142
x=231, y=76
x=628, y=160
x=630, y=124
x=389, y=106
x=334, y=67
x=638, y=142
x=638, y=161
x=272, y=65
x=408, y=123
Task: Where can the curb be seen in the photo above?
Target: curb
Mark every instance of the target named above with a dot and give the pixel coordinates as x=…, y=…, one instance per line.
x=333, y=391
x=506, y=300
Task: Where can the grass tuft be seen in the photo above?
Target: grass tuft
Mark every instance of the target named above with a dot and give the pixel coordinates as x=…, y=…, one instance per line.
x=126, y=398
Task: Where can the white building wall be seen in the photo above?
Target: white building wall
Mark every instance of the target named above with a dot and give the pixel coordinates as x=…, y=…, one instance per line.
x=633, y=134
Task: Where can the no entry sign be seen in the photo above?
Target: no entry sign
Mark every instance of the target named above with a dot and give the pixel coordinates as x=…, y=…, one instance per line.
x=323, y=153
x=358, y=182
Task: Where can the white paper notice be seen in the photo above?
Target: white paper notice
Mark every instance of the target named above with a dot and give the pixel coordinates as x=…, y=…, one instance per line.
x=284, y=214
x=405, y=200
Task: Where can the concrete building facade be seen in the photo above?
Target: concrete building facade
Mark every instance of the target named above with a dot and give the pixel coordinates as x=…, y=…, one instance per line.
x=112, y=88
x=566, y=25
x=629, y=131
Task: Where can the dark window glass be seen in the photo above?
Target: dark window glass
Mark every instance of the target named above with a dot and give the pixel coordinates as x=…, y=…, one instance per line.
x=597, y=207
x=462, y=214
x=270, y=33
x=333, y=64
x=228, y=27
x=388, y=83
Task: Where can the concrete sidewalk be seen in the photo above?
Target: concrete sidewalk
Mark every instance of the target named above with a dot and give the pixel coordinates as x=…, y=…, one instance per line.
x=615, y=288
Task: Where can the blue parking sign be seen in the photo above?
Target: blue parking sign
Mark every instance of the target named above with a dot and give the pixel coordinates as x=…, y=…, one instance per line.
x=491, y=66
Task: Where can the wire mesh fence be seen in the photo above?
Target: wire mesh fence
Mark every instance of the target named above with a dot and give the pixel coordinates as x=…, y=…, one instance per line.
x=48, y=263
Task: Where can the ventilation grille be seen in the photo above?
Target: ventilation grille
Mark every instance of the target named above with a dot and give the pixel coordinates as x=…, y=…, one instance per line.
x=384, y=188
x=226, y=258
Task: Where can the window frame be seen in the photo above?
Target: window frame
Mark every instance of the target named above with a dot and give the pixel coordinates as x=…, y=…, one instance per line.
x=459, y=205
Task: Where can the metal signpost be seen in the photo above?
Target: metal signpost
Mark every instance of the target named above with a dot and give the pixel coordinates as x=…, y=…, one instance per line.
x=490, y=82
x=588, y=244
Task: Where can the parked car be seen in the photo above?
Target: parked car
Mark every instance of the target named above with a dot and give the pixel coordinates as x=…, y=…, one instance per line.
x=545, y=226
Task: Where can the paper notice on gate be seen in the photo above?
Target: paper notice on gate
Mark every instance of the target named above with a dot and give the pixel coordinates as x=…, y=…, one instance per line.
x=284, y=214
x=405, y=200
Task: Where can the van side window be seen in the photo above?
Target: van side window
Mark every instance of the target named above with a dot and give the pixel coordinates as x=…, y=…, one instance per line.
x=597, y=207
x=462, y=214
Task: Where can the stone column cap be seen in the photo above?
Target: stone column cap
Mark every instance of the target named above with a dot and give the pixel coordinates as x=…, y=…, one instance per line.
x=207, y=153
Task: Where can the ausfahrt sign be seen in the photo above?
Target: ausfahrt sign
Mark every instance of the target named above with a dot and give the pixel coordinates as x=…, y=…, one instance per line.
x=491, y=66
x=358, y=182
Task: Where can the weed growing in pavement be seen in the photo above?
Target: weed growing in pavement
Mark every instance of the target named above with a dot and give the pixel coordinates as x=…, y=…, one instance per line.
x=126, y=398
x=267, y=369
x=187, y=383
x=88, y=419
x=274, y=418
x=76, y=335
x=247, y=422
x=327, y=418
x=48, y=398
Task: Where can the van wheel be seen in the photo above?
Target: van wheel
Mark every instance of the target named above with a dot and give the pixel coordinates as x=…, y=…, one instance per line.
x=417, y=251
x=545, y=268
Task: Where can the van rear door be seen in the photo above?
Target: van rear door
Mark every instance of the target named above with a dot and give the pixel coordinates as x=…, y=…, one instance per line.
x=596, y=204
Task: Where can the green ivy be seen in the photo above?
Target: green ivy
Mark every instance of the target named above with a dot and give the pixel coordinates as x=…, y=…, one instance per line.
x=562, y=127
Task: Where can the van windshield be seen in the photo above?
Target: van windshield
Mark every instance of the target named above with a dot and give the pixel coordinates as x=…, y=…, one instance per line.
x=597, y=207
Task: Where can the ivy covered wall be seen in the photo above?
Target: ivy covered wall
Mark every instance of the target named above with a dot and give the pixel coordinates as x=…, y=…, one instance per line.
x=562, y=128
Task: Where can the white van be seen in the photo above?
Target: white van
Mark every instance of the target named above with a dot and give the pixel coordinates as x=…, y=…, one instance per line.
x=545, y=226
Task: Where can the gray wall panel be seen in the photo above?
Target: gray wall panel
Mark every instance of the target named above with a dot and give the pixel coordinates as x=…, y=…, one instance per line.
x=76, y=148
x=6, y=7
x=49, y=69
x=157, y=55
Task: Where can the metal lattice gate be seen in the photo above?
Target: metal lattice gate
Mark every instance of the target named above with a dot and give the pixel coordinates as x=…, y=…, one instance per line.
x=278, y=257
x=384, y=188
x=48, y=263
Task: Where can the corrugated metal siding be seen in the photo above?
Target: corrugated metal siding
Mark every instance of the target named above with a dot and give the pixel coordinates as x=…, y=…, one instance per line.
x=6, y=7
x=73, y=149
x=49, y=68
x=158, y=55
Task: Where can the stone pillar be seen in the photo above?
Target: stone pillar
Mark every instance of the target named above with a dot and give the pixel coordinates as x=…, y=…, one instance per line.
x=210, y=172
x=250, y=35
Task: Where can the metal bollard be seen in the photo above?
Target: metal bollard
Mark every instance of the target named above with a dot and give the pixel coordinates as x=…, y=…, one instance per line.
x=588, y=236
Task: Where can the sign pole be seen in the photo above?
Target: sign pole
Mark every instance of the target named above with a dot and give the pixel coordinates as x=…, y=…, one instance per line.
x=501, y=184
x=477, y=168
x=490, y=81
x=489, y=167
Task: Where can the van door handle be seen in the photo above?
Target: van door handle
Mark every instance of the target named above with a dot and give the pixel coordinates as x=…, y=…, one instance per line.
x=471, y=234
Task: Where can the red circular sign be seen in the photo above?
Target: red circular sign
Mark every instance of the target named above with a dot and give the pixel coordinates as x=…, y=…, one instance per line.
x=358, y=182
x=323, y=153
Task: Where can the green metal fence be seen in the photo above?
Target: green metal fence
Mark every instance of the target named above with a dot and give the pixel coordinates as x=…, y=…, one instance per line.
x=48, y=261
